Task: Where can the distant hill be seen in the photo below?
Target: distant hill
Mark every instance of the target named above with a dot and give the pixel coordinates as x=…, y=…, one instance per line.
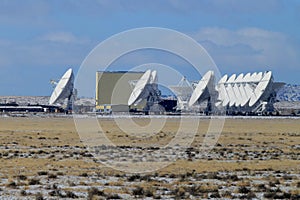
x=42, y=100
x=289, y=93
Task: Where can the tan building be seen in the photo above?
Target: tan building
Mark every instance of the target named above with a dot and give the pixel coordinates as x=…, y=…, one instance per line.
x=113, y=89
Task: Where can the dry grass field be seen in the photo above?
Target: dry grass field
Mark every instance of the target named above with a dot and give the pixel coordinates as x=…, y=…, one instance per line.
x=44, y=158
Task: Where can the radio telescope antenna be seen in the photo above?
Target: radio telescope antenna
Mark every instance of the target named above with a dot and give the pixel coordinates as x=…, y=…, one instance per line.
x=202, y=90
x=183, y=92
x=223, y=99
x=140, y=92
x=239, y=90
x=261, y=88
x=64, y=89
x=146, y=88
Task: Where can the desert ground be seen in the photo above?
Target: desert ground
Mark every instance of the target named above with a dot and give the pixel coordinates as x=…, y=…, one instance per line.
x=46, y=158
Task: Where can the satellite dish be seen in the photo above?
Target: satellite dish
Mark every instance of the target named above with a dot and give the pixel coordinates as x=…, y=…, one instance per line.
x=153, y=79
x=223, y=96
x=253, y=77
x=261, y=88
x=258, y=77
x=247, y=77
x=139, y=90
x=183, y=91
x=231, y=79
x=240, y=78
x=223, y=79
x=230, y=90
x=64, y=88
x=246, y=94
x=238, y=90
x=199, y=92
x=246, y=89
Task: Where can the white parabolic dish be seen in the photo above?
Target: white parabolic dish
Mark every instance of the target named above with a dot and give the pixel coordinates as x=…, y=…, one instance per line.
x=223, y=79
x=200, y=88
x=261, y=88
x=64, y=88
x=238, y=90
x=139, y=87
x=247, y=78
x=253, y=77
x=223, y=96
x=153, y=78
x=258, y=77
x=239, y=78
x=230, y=90
x=247, y=88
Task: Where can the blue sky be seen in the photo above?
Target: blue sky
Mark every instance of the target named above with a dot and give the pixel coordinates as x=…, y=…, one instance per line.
x=39, y=40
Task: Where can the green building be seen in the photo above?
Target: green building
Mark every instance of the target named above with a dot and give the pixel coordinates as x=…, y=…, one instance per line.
x=113, y=90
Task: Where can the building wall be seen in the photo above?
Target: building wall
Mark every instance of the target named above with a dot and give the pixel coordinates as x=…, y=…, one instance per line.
x=113, y=88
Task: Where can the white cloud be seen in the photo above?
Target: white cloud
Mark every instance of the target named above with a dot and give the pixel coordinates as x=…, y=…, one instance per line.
x=230, y=37
x=249, y=48
x=217, y=7
x=57, y=49
x=63, y=37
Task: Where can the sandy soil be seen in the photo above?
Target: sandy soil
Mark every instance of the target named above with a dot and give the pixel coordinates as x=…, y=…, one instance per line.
x=46, y=158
